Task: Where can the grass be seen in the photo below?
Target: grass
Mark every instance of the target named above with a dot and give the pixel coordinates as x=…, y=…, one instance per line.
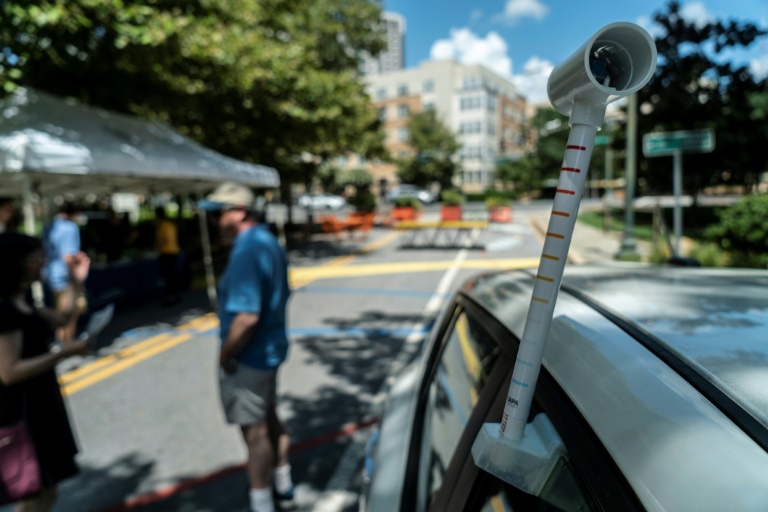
x=643, y=229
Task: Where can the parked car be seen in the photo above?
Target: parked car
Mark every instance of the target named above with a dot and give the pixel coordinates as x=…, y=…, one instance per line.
x=422, y=195
x=322, y=201
x=655, y=380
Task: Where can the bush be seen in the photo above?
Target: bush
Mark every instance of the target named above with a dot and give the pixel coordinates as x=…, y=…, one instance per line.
x=452, y=198
x=407, y=202
x=363, y=201
x=709, y=255
x=743, y=232
x=496, y=201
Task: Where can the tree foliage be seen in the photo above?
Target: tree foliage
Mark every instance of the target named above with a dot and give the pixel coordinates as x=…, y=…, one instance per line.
x=433, y=145
x=262, y=81
x=696, y=87
x=530, y=171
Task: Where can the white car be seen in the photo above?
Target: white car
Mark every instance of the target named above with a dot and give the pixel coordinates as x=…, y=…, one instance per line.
x=322, y=201
x=422, y=195
x=654, y=387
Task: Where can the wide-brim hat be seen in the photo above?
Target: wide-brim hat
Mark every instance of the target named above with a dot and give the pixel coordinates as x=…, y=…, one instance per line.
x=228, y=195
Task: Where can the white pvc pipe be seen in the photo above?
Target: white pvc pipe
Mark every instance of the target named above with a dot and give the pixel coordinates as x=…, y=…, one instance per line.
x=210, y=276
x=570, y=188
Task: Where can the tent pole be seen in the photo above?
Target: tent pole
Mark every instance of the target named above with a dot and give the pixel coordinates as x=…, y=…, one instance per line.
x=27, y=206
x=205, y=241
x=29, y=228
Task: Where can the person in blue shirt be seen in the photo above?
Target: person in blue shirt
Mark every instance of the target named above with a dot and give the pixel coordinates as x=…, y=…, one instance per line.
x=61, y=243
x=253, y=297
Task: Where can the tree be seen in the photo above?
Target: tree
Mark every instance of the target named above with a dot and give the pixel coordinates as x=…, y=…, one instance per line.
x=434, y=146
x=530, y=171
x=694, y=87
x=260, y=81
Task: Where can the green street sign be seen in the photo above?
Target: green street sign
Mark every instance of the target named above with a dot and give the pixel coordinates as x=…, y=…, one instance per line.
x=602, y=140
x=685, y=141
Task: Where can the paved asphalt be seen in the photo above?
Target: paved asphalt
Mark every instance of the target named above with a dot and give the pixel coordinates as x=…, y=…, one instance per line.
x=145, y=406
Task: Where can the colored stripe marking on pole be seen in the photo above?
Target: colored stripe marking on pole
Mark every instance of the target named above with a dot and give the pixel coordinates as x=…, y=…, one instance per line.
x=571, y=169
x=580, y=148
x=539, y=299
x=545, y=278
x=555, y=235
x=563, y=191
x=561, y=214
x=550, y=257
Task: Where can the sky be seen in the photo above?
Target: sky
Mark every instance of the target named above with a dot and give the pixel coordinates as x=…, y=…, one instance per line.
x=523, y=39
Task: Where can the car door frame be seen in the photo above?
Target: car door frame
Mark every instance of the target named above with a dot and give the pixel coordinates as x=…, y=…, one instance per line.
x=605, y=486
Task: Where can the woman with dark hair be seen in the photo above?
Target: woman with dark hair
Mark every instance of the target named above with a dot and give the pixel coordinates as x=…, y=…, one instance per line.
x=29, y=389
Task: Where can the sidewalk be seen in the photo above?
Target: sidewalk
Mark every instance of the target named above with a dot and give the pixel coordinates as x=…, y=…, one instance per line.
x=590, y=244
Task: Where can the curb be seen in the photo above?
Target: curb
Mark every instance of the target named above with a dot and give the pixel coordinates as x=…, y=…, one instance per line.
x=574, y=256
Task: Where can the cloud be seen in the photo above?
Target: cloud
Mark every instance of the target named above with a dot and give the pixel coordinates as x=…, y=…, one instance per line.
x=696, y=13
x=515, y=10
x=759, y=67
x=475, y=16
x=466, y=47
x=532, y=82
x=653, y=28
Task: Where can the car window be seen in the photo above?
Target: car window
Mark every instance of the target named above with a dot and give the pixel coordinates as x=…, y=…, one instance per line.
x=464, y=365
x=561, y=494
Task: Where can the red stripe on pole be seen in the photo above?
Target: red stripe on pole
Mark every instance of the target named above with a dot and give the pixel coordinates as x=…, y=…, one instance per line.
x=571, y=169
x=580, y=148
x=172, y=490
x=563, y=191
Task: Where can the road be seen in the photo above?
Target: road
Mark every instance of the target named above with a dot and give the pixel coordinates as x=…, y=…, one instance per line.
x=145, y=406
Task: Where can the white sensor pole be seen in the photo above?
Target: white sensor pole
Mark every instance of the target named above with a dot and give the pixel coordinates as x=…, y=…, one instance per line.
x=618, y=60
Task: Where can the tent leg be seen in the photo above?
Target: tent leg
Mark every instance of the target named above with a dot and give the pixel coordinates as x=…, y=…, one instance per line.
x=27, y=206
x=29, y=228
x=210, y=277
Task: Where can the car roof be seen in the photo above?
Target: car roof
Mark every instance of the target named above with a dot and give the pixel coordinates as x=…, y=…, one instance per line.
x=635, y=348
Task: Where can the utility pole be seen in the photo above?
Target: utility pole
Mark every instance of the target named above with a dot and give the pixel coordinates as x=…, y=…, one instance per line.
x=628, y=247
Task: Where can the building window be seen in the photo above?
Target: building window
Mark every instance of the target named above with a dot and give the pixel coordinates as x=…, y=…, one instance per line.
x=381, y=93
x=492, y=103
x=492, y=129
x=471, y=82
x=470, y=102
x=402, y=90
x=471, y=152
x=428, y=86
x=429, y=105
x=471, y=127
x=403, y=110
x=402, y=134
x=382, y=114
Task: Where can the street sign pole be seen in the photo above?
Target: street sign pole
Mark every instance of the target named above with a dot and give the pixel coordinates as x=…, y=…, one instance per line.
x=677, y=186
x=675, y=144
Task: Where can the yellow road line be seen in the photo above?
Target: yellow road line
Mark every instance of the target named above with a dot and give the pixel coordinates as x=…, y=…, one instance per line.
x=199, y=324
x=118, y=367
x=86, y=369
x=314, y=273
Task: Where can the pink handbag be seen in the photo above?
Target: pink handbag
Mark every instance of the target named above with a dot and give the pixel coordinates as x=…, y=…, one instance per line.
x=19, y=469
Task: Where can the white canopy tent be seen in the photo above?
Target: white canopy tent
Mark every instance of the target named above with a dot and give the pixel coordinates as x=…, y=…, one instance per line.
x=60, y=146
x=51, y=146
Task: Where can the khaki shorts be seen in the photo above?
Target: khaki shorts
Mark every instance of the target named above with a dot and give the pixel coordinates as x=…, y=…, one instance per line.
x=247, y=395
